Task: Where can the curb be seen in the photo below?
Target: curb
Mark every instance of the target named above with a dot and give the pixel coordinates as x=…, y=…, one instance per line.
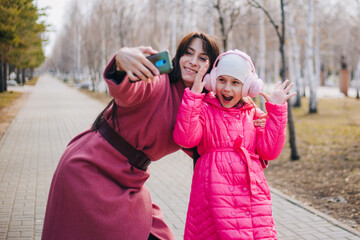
x=316, y=212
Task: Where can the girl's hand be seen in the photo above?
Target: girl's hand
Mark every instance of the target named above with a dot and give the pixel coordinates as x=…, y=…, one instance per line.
x=261, y=121
x=280, y=94
x=198, y=85
x=135, y=64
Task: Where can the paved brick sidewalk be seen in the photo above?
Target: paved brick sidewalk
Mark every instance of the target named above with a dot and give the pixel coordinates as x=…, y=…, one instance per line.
x=170, y=182
x=52, y=116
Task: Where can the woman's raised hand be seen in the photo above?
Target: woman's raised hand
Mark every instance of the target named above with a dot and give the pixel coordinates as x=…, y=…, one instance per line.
x=198, y=85
x=280, y=94
x=135, y=64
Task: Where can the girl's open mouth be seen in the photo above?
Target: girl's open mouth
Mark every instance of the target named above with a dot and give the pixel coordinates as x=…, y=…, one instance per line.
x=228, y=99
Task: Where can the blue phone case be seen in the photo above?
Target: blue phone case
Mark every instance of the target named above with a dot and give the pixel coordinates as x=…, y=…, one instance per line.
x=162, y=61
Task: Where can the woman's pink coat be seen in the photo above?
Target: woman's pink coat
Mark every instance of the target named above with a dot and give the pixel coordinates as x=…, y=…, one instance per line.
x=229, y=198
x=95, y=193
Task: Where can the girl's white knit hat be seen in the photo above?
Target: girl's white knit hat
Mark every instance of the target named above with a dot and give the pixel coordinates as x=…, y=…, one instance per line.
x=235, y=66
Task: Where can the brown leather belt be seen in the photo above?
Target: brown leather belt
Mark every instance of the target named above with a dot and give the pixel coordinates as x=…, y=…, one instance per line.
x=135, y=157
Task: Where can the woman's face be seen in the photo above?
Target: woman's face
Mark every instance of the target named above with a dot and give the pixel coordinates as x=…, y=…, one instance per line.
x=228, y=90
x=192, y=60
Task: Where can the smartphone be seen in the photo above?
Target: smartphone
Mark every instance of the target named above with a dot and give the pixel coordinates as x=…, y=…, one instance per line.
x=162, y=62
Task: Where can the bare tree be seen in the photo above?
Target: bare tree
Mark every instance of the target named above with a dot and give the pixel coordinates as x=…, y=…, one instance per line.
x=91, y=50
x=123, y=23
x=228, y=12
x=281, y=36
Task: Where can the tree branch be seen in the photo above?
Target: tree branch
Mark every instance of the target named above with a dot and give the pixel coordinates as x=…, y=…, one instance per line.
x=256, y=4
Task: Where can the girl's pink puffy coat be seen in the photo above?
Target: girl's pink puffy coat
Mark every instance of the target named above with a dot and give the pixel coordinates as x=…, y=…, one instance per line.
x=229, y=198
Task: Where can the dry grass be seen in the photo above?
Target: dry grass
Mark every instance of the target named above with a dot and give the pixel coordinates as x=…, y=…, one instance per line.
x=33, y=81
x=10, y=104
x=327, y=177
x=7, y=98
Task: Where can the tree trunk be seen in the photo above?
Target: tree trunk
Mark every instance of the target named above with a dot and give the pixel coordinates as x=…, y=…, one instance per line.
x=5, y=75
x=357, y=79
x=173, y=27
x=31, y=73
x=2, y=80
x=18, y=75
x=317, y=61
x=295, y=57
x=294, y=155
x=309, y=58
x=262, y=54
x=222, y=25
x=184, y=17
x=211, y=17
x=23, y=76
x=357, y=69
x=277, y=70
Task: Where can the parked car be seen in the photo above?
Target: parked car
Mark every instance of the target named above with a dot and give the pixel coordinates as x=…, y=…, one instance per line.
x=84, y=85
x=12, y=83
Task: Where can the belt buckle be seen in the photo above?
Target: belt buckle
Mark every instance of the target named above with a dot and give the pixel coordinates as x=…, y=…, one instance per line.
x=139, y=160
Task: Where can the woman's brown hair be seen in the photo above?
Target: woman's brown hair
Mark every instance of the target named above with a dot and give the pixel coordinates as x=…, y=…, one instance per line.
x=211, y=48
x=210, y=45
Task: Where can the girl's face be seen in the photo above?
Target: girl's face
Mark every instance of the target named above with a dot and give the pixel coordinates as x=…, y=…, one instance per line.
x=192, y=60
x=228, y=90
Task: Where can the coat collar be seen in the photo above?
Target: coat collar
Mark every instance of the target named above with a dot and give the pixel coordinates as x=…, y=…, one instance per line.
x=211, y=99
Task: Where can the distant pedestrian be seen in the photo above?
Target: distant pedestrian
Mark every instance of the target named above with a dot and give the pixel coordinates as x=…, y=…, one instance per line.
x=229, y=197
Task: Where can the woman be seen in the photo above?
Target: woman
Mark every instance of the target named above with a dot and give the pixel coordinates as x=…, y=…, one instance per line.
x=97, y=192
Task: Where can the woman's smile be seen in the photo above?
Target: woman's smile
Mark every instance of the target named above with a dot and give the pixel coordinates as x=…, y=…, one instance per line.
x=190, y=70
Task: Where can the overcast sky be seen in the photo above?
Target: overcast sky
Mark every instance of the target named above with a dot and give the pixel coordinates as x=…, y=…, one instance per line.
x=55, y=15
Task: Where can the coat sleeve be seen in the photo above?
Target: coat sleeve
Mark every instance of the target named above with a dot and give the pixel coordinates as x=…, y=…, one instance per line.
x=129, y=94
x=189, y=122
x=270, y=140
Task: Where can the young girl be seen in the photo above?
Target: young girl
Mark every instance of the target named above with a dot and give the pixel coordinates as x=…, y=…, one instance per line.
x=230, y=198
